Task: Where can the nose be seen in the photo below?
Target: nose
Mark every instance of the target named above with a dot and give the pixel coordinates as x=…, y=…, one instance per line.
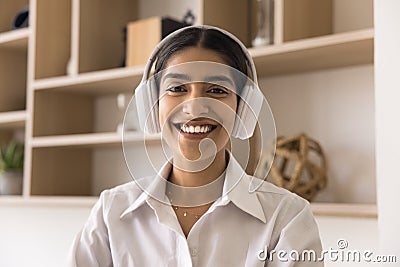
x=195, y=104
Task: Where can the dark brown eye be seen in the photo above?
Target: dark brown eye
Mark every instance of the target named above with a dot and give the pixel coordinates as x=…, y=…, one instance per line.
x=217, y=91
x=176, y=89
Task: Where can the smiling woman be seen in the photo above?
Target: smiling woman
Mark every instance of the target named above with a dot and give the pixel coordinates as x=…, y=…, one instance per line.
x=200, y=208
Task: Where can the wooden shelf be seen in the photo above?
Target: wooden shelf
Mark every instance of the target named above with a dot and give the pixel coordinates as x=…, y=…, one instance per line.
x=345, y=210
x=12, y=119
x=329, y=51
x=16, y=39
x=48, y=201
x=89, y=140
x=95, y=83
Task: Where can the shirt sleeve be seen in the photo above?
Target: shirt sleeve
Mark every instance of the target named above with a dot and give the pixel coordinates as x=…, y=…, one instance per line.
x=299, y=243
x=91, y=247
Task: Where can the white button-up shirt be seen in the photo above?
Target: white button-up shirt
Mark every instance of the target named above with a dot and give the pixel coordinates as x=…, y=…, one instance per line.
x=127, y=227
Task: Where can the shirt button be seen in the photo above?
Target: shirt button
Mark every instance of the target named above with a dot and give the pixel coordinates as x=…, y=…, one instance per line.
x=193, y=252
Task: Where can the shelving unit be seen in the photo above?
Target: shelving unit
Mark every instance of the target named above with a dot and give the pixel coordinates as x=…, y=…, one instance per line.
x=69, y=61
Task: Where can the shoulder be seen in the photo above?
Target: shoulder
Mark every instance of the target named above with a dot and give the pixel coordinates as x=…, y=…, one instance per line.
x=271, y=197
x=268, y=191
x=129, y=189
x=277, y=201
x=119, y=197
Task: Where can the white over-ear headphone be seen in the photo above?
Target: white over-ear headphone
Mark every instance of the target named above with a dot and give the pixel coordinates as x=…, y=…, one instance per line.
x=249, y=105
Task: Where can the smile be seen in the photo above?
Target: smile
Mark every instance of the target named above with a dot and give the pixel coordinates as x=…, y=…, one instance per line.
x=195, y=129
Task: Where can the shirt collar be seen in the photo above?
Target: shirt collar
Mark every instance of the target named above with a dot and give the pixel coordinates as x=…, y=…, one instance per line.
x=153, y=188
x=235, y=188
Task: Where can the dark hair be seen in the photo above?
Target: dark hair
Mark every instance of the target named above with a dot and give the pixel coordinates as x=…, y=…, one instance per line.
x=212, y=39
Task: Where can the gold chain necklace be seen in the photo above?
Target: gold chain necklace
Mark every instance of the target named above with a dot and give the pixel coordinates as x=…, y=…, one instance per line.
x=186, y=213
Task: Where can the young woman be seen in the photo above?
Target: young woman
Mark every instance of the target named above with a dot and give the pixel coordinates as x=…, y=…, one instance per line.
x=180, y=220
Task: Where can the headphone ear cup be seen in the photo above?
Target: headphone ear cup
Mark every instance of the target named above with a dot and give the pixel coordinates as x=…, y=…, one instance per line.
x=146, y=96
x=154, y=114
x=249, y=107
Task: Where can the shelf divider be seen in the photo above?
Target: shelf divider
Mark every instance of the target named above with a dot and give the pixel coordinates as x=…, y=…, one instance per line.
x=336, y=50
x=89, y=140
x=12, y=119
x=345, y=209
x=48, y=201
x=15, y=39
x=95, y=83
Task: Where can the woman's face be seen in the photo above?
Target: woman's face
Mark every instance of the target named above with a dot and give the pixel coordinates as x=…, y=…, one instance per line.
x=189, y=110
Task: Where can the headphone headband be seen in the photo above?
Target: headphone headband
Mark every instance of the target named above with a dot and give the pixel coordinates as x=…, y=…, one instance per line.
x=154, y=55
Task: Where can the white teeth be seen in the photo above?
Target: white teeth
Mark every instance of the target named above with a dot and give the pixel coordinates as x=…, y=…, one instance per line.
x=196, y=129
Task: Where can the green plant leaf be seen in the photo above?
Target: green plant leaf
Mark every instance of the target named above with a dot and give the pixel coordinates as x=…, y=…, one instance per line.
x=12, y=156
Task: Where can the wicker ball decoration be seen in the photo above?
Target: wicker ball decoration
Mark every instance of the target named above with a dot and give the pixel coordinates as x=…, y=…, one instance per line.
x=299, y=166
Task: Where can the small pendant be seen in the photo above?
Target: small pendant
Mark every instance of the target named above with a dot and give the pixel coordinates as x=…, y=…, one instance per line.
x=184, y=214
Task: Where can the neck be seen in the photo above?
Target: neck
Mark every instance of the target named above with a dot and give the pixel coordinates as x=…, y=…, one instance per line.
x=203, y=177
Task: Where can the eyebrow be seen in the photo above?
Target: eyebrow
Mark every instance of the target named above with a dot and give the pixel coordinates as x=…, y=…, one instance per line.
x=218, y=78
x=208, y=79
x=180, y=76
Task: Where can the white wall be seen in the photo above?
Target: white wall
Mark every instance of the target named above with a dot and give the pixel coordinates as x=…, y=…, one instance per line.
x=387, y=96
x=336, y=108
x=38, y=236
x=360, y=233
